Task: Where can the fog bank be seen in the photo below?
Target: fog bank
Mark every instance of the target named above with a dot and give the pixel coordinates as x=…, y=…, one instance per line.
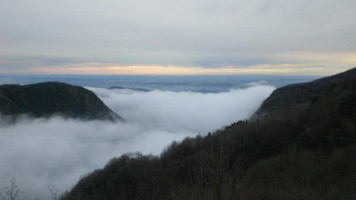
x=58, y=152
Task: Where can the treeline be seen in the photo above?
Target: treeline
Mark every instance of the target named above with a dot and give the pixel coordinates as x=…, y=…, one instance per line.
x=302, y=151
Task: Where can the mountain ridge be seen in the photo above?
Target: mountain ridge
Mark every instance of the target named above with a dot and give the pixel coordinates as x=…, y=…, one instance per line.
x=53, y=98
x=300, y=93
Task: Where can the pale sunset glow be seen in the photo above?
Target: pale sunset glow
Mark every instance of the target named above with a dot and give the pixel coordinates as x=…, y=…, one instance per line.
x=179, y=70
x=309, y=63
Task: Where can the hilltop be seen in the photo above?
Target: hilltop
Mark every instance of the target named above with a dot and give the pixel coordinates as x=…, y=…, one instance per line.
x=302, y=93
x=53, y=98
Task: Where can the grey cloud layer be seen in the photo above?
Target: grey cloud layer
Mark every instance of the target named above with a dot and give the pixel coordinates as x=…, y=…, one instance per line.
x=57, y=152
x=198, y=32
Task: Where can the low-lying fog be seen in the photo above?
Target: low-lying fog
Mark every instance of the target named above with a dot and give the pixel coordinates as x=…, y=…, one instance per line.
x=58, y=152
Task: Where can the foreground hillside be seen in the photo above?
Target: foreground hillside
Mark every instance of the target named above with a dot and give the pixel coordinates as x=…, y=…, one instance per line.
x=53, y=98
x=301, y=150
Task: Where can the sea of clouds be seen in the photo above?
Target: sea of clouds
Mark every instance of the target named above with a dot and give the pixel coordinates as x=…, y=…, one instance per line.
x=57, y=151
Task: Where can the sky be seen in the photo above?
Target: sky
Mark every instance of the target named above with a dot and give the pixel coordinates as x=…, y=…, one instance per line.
x=177, y=37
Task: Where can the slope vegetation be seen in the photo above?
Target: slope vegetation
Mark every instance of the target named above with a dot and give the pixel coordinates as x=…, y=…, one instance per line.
x=301, y=93
x=53, y=98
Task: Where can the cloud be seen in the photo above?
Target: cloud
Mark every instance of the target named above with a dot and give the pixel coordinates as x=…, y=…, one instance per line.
x=202, y=33
x=55, y=151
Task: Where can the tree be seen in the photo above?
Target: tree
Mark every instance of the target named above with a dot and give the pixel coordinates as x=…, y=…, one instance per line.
x=11, y=192
x=54, y=192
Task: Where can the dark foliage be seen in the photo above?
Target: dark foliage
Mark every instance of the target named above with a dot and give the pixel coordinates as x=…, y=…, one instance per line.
x=305, y=150
x=301, y=93
x=52, y=98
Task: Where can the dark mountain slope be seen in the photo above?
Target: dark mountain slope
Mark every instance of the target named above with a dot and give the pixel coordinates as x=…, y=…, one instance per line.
x=301, y=151
x=53, y=98
x=301, y=93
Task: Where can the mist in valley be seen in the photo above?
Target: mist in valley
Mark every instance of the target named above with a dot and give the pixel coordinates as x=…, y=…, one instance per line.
x=57, y=151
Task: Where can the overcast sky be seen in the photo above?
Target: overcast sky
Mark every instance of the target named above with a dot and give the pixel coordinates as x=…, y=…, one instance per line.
x=177, y=37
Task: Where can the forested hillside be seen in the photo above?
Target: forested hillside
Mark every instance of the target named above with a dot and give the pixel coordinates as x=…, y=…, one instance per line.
x=301, y=92
x=301, y=150
x=53, y=98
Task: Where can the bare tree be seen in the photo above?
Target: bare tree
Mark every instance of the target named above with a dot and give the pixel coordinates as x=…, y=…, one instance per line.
x=211, y=174
x=54, y=192
x=11, y=192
